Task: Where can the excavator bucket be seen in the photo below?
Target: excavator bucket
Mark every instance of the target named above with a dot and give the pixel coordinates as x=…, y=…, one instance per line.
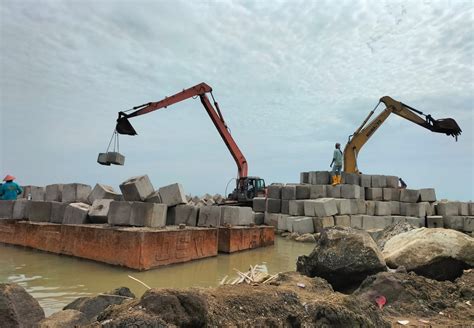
x=448, y=126
x=125, y=127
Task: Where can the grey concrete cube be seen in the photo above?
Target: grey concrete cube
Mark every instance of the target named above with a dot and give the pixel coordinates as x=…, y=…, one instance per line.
x=434, y=221
x=76, y=213
x=289, y=222
x=102, y=191
x=383, y=208
x=319, y=177
x=187, y=214
x=99, y=210
x=409, y=195
x=463, y=208
x=447, y=208
x=57, y=212
x=365, y=180
x=271, y=219
x=303, y=191
x=455, y=222
x=351, y=178
x=285, y=206
x=53, y=193
x=115, y=158
x=413, y=209
x=296, y=207
x=282, y=224
x=20, y=209
x=119, y=213
x=317, y=191
x=138, y=189
x=342, y=220
x=320, y=207
x=6, y=209
x=274, y=191
x=375, y=222
x=259, y=204
x=273, y=205
x=333, y=191
x=356, y=221
x=303, y=225
x=321, y=223
x=155, y=197
x=236, y=216
x=389, y=194
x=210, y=216
x=468, y=224
x=396, y=219
x=374, y=194
x=370, y=207
x=416, y=222
x=76, y=193
x=358, y=206
x=391, y=181
x=258, y=217
x=288, y=192
x=427, y=195
x=395, y=207
x=304, y=177
x=344, y=207
x=173, y=194
x=349, y=191
x=378, y=181
x=471, y=208
x=37, y=193
x=39, y=211
x=150, y=215
x=430, y=208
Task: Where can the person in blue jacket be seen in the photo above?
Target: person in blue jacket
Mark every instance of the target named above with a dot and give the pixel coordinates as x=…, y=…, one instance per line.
x=10, y=190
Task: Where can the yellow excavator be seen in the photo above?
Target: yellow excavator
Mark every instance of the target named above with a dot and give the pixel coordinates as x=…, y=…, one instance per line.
x=357, y=140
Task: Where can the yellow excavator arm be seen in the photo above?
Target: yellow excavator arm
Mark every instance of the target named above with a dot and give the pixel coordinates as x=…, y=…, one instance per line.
x=357, y=140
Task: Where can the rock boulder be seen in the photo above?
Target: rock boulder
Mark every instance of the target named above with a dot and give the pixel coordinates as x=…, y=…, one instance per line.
x=18, y=308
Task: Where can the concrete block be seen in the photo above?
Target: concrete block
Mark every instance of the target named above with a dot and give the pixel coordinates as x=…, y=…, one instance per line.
x=289, y=222
x=342, y=220
x=115, y=158
x=320, y=207
x=303, y=225
x=455, y=222
x=468, y=224
x=259, y=204
x=296, y=207
x=398, y=219
x=370, y=207
x=273, y=205
x=374, y=194
x=258, y=217
x=333, y=191
x=378, y=181
x=358, y=206
x=321, y=223
x=351, y=178
x=20, y=209
x=155, y=197
x=76, y=193
x=349, y=191
x=365, y=181
x=274, y=191
x=39, y=211
x=187, y=214
x=119, y=213
x=320, y=177
x=6, y=209
x=413, y=209
x=102, y=191
x=471, y=208
x=288, y=192
x=395, y=207
x=154, y=215
x=375, y=222
x=383, y=209
x=447, y=209
x=139, y=188
x=391, y=181
x=304, y=177
x=210, y=216
x=427, y=195
x=57, y=212
x=37, y=193
x=344, y=206
x=76, y=213
x=430, y=208
x=317, y=191
x=356, y=221
x=409, y=195
x=271, y=219
x=303, y=191
x=285, y=206
x=463, y=208
x=99, y=210
x=235, y=215
x=53, y=193
x=171, y=216
x=282, y=222
x=173, y=194
x=416, y=222
x=434, y=221
x=389, y=194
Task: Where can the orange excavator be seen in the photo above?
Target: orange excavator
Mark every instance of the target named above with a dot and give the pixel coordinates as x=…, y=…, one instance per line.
x=247, y=187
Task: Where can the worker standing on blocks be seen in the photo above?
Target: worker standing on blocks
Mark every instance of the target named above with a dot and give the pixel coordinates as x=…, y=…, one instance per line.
x=337, y=161
x=10, y=190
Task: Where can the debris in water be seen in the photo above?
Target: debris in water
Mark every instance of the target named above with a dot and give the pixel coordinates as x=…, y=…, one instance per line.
x=403, y=322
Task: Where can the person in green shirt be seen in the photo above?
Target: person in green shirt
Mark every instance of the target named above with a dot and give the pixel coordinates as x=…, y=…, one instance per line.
x=337, y=168
x=9, y=190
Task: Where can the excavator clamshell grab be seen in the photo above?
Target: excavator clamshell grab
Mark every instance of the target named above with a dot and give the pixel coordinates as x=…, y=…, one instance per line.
x=111, y=158
x=448, y=126
x=125, y=127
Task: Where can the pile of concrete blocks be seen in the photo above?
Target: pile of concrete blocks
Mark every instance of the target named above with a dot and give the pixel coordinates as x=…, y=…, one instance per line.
x=361, y=201
x=205, y=200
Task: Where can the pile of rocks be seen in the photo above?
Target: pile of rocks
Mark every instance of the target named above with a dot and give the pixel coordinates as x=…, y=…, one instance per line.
x=361, y=201
x=138, y=204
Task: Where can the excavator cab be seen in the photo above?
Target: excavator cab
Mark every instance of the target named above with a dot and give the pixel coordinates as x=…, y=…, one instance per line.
x=247, y=188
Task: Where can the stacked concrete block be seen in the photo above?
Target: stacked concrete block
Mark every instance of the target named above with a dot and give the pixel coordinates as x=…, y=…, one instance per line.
x=173, y=194
x=416, y=222
x=76, y=193
x=20, y=209
x=37, y=193
x=57, y=212
x=333, y=191
x=259, y=218
x=259, y=204
x=365, y=181
x=378, y=181
x=455, y=222
x=427, y=195
x=471, y=208
x=282, y=222
x=463, y=208
x=434, y=221
x=370, y=207
x=102, y=191
x=76, y=213
x=304, y=177
x=154, y=197
x=289, y=222
x=99, y=210
x=137, y=188
x=349, y=191
x=390, y=194
x=296, y=207
x=273, y=205
x=344, y=206
x=236, y=216
x=151, y=215
x=395, y=207
x=383, y=208
x=119, y=213
x=391, y=181
x=271, y=219
x=321, y=223
x=303, y=191
x=274, y=191
x=351, y=178
x=171, y=216
x=303, y=225
x=468, y=224
x=39, y=211
x=6, y=209
x=285, y=206
x=186, y=214
x=210, y=216
x=413, y=209
x=375, y=222
x=430, y=208
x=288, y=192
x=358, y=206
x=409, y=195
x=356, y=221
x=53, y=193
x=396, y=219
x=447, y=208
x=342, y=220
x=317, y=191
x=320, y=207
x=374, y=194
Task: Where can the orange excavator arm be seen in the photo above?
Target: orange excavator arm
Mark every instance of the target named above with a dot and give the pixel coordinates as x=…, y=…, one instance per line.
x=124, y=127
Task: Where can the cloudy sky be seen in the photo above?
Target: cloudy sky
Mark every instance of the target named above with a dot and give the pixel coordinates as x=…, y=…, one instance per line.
x=291, y=77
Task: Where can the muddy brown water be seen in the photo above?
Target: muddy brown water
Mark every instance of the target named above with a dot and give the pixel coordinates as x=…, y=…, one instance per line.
x=56, y=280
